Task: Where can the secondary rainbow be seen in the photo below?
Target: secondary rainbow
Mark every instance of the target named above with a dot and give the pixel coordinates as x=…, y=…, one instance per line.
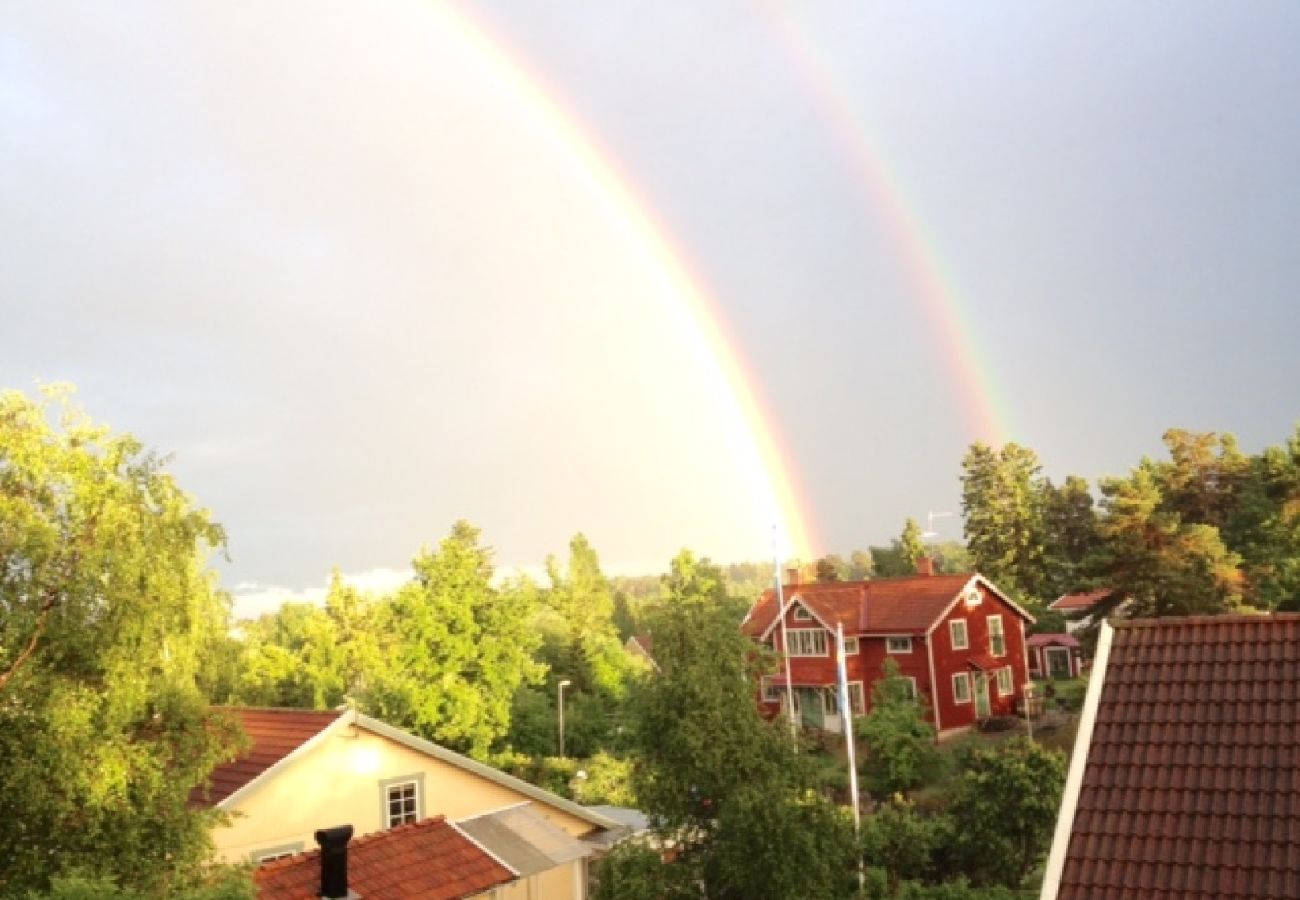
x=970, y=374
x=771, y=477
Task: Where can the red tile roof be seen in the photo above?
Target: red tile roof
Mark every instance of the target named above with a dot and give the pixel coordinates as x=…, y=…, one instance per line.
x=1076, y=602
x=1191, y=786
x=273, y=734
x=428, y=860
x=1048, y=640
x=885, y=606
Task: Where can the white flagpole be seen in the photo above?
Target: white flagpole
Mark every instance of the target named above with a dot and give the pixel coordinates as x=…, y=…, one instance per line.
x=846, y=714
x=846, y=717
x=785, y=645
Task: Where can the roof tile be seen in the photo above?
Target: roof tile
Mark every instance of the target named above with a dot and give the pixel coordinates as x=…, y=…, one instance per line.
x=1190, y=788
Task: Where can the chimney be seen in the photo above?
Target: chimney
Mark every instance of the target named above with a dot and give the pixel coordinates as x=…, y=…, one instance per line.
x=925, y=565
x=792, y=576
x=334, y=862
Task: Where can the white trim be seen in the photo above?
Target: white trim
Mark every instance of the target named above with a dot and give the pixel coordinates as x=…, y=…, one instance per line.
x=1078, y=763
x=766, y=685
x=778, y=619
x=788, y=651
x=346, y=717
x=889, y=649
x=978, y=579
x=916, y=693
x=934, y=686
x=1011, y=682
x=965, y=634
x=862, y=695
x=1002, y=633
x=800, y=608
x=857, y=646
x=970, y=694
x=420, y=745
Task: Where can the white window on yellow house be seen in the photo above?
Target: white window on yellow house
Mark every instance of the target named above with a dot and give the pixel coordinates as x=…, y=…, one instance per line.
x=1005, y=686
x=997, y=640
x=960, y=687
x=402, y=799
x=266, y=855
x=807, y=641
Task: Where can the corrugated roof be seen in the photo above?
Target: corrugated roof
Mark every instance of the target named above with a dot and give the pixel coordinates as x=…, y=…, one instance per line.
x=885, y=606
x=1191, y=783
x=428, y=860
x=524, y=839
x=273, y=734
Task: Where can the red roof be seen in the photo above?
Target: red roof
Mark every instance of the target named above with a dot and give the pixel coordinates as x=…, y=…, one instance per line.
x=1191, y=785
x=1050, y=640
x=273, y=735
x=908, y=605
x=428, y=860
x=1075, y=602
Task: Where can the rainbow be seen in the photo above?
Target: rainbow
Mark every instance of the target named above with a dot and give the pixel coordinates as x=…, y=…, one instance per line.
x=881, y=185
x=767, y=469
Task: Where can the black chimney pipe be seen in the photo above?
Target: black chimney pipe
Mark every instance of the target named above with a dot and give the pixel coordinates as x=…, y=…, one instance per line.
x=334, y=861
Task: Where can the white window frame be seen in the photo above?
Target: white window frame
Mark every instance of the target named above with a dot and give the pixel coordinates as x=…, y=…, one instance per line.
x=857, y=698
x=771, y=691
x=270, y=854
x=911, y=685
x=1001, y=635
x=830, y=701
x=963, y=679
x=889, y=644
x=386, y=789
x=965, y=634
x=795, y=639
x=851, y=647
x=801, y=613
x=1010, y=687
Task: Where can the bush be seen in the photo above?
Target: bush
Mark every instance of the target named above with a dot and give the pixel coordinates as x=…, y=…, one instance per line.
x=901, y=753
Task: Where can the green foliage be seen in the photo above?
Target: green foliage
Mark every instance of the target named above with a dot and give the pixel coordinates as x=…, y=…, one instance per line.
x=1003, y=516
x=225, y=883
x=779, y=847
x=912, y=543
x=608, y=781
x=292, y=658
x=634, y=871
x=1004, y=810
x=459, y=649
x=108, y=614
x=906, y=845
x=1162, y=565
x=900, y=744
x=699, y=735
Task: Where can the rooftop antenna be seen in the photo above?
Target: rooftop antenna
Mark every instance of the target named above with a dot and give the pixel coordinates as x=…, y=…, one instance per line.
x=929, y=523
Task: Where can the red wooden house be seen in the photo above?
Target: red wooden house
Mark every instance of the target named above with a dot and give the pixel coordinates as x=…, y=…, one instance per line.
x=957, y=639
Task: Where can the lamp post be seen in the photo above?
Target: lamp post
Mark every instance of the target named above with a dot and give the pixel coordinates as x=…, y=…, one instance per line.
x=560, y=690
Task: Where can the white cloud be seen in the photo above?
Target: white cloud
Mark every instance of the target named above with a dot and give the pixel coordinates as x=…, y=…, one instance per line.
x=253, y=599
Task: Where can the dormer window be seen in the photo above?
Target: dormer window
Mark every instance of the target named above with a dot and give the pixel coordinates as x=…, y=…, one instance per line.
x=801, y=613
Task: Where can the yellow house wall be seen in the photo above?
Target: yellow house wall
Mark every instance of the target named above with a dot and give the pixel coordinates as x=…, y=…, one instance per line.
x=338, y=782
x=561, y=883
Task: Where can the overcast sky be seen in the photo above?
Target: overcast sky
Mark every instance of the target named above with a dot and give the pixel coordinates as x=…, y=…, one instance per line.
x=327, y=257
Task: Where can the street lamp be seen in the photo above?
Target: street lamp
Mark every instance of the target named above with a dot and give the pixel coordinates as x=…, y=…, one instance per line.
x=560, y=690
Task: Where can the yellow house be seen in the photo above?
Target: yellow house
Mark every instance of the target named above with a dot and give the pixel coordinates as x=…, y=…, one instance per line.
x=308, y=770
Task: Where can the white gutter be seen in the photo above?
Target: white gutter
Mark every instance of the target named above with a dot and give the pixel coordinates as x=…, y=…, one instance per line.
x=1078, y=763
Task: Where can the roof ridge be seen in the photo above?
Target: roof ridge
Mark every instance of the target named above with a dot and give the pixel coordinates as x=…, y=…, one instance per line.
x=1204, y=619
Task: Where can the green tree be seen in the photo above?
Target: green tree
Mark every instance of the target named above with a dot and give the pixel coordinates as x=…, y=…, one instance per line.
x=830, y=568
x=1004, y=809
x=293, y=657
x=912, y=543
x=459, y=649
x=1161, y=565
x=108, y=612
x=900, y=744
x=1002, y=509
x=906, y=845
x=1071, y=536
x=714, y=776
